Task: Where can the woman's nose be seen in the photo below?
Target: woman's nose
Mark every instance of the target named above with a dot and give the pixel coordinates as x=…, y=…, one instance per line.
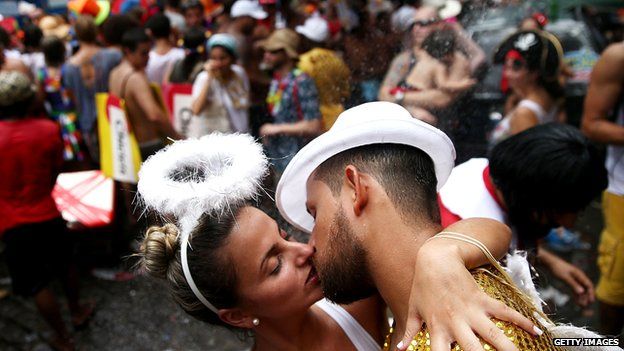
x=303, y=253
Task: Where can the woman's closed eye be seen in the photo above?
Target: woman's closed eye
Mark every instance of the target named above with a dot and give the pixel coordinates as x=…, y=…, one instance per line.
x=278, y=266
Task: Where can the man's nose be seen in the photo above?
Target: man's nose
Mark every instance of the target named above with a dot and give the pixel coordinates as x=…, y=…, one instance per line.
x=304, y=253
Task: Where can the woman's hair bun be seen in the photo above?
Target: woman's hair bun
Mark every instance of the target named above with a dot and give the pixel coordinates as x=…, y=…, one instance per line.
x=159, y=249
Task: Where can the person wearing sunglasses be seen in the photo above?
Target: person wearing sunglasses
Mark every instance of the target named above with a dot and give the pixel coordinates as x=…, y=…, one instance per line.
x=532, y=65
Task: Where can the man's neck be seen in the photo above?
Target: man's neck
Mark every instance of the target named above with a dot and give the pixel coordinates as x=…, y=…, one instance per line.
x=128, y=65
x=392, y=258
x=162, y=46
x=285, y=69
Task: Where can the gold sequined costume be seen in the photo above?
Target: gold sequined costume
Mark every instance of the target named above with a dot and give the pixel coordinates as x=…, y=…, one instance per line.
x=496, y=285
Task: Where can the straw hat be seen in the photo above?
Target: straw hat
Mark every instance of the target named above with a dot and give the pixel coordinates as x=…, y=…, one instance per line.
x=282, y=39
x=54, y=25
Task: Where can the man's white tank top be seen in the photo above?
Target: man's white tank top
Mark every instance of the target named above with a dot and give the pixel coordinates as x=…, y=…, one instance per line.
x=359, y=337
x=615, y=160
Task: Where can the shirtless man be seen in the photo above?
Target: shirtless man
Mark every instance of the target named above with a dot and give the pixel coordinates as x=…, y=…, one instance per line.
x=441, y=67
x=426, y=20
x=604, y=99
x=129, y=82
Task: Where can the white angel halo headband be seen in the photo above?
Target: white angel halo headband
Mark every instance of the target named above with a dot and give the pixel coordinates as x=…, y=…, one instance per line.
x=196, y=176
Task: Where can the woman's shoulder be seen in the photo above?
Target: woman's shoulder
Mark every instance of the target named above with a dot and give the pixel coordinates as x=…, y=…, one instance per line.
x=239, y=70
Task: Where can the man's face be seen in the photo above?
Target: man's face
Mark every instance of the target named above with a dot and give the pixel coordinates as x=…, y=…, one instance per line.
x=139, y=57
x=340, y=257
x=275, y=59
x=193, y=17
x=425, y=21
x=246, y=24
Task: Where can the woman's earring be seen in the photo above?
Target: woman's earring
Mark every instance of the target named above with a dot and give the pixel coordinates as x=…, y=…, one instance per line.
x=255, y=322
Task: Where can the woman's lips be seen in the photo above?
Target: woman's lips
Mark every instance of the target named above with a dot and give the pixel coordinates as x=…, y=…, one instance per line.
x=312, y=276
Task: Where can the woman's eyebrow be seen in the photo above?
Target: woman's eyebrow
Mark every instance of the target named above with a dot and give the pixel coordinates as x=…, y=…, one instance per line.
x=272, y=251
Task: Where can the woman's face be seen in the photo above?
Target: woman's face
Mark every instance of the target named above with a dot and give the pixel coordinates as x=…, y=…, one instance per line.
x=517, y=73
x=276, y=277
x=221, y=58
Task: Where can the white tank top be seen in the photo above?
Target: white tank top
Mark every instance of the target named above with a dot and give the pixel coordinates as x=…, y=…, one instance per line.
x=615, y=161
x=503, y=128
x=359, y=337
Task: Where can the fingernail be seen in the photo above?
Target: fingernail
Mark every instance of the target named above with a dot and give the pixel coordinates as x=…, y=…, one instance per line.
x=537, y=330
x=400, y=345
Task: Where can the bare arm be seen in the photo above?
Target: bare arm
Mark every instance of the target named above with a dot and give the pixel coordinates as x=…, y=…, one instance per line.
x=426, y=99
x=605, y=88
x=143, y=95
x=432, y=98
x=475, y=54
x=575, y=278
x=522, y=119
x=495, y=235
x=446, y=83
x=457, y=78
x=302, y=128
x=201, y=101
x=463, y=310
x=396, y=72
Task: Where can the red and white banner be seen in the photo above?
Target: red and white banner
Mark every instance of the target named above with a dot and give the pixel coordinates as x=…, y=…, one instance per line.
x=178, y=98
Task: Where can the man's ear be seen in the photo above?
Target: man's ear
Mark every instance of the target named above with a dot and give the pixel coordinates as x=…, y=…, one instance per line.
x=236, y=317
x=357, y=185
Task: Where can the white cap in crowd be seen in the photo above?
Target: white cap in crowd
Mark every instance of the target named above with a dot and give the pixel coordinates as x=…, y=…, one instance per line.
x=249, y=8
x=314, y=28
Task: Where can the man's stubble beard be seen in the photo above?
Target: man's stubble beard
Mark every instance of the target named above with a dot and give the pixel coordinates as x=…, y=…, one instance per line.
x=344, y=273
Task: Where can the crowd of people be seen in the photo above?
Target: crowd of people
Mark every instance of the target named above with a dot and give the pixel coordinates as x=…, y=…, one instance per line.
x=282, y=73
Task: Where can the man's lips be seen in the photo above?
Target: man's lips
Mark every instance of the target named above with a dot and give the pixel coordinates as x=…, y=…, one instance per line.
x=312, y=275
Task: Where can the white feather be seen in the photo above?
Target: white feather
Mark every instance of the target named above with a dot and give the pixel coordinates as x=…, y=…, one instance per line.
x=229, y=169
x=519, y=270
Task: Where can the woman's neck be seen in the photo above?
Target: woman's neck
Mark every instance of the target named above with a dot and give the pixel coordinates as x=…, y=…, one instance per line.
x=297, y=332
x=541, y=96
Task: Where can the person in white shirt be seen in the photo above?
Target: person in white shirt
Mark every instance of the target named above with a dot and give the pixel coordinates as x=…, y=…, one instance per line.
x=164, y=52
x=220, y=92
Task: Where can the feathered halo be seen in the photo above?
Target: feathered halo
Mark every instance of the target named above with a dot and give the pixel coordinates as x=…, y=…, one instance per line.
x=209, y=174
x=191, y=177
